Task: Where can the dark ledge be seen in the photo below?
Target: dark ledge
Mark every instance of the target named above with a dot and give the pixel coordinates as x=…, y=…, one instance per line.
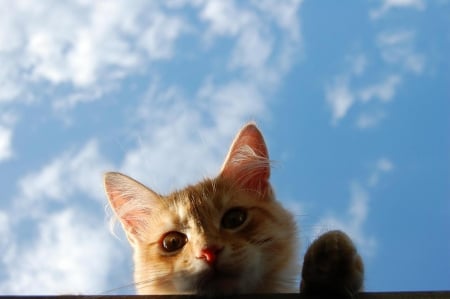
x=370, y=295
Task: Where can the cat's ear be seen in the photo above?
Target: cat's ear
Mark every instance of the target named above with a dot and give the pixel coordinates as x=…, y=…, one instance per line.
x=132, y=202
x=247, y=162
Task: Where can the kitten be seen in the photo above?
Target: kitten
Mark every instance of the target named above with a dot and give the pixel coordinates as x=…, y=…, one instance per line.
x=224, y=235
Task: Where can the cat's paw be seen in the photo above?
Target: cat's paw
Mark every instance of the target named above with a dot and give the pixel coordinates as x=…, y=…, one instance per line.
x=332, y=266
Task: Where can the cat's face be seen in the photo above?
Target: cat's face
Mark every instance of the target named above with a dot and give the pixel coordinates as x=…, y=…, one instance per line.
x=210, y=238
x=220, y=236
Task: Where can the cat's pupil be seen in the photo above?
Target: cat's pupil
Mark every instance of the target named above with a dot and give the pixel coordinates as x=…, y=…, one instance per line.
x=234, y=218
x=173, y=241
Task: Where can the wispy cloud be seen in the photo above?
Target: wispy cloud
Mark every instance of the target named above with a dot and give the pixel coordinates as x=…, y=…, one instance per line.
x=353, y=221
x=388, y=5
x=358, y=64
x=382, y=166
x=367, y=120
x=72, y=172
x=7, y=121
x=204, y=124
x=85, y=47
x=257, y=51
x=397, y=48
x=82, y=51
x=81, y=44
x=357, y=213
x=355, y=85
x=67, y=247
x=5, y=143
x=70, y=253
x=383, y=91
x=202, y=127
x=397, y=51
x=93, y=44
x=5, y=233
x=339, y=97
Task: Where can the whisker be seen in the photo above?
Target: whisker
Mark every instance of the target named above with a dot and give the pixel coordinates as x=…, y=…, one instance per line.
x=114, y=290
x=260, y=242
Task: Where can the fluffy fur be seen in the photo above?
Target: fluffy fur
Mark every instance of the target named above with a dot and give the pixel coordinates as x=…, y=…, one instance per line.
x=258, y=256
x=228, y=234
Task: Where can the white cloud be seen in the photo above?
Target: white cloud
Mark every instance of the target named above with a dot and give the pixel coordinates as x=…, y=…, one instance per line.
x=395, y=38
x=58, y=246
x=398, y=52
x=219, y=14
x=388, y=5
x=66, y=175
x=369, y=120
x=234, y=103
x=80, y=43
x=72, y=254
x=383, y=91
x=200, y=132
x=85, y=47
x=385, y=165
x=358, y=209
x=7, y=121
x=258, y=51
x=353, y=221
x=358, y=63
x=253, y=49
x=4, y=224
x=346, y=91
x=284, y=13
x=340, y=98
x=9, y=88
x=159, y=38
x=203, y=125
x=397, y=48
x=65, y=103
x=172, y=149
x=382, y=166
x=5, y=232
x=5, y=143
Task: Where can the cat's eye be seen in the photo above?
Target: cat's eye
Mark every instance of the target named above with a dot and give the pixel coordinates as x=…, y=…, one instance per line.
x=234, y=218
x=173, y=241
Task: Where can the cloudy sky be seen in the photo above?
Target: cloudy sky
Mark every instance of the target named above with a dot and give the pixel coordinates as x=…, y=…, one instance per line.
x=353, y=98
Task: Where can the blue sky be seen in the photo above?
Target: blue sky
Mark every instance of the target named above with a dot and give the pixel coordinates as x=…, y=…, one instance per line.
x=352, y=97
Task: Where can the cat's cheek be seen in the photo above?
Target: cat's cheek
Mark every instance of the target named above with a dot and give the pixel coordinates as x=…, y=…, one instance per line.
x=245, y=263
x=185, y=283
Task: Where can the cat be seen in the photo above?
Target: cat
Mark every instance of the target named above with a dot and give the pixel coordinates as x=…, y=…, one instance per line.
x=228, y=234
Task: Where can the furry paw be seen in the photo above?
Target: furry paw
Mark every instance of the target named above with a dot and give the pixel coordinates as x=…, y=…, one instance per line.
x=332, y=266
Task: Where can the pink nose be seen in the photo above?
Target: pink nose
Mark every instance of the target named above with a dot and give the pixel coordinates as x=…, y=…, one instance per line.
x=209, y=254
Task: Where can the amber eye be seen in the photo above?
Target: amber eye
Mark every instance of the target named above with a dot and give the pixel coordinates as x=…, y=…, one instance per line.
x=173, y=241
x=234, y=218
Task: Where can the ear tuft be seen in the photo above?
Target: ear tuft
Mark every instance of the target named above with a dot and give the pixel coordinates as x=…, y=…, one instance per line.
x=247, y=162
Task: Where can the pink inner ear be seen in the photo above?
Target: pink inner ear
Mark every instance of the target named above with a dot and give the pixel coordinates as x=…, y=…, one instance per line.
x=118, y=200
x=252, y=137
x=131, y=201
x=247, y=162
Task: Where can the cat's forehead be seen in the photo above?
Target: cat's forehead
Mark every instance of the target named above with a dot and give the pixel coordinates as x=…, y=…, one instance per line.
x=204, y=199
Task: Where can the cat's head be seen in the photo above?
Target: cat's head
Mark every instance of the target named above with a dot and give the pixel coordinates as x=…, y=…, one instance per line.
x=223, y=235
